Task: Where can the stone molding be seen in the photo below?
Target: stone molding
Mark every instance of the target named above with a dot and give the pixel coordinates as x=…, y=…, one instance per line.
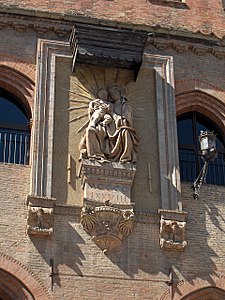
x=104, y=182
x=39, y=25
x=92, y=169
x=42, y=155
x=167, y=128
x=74, y=210
x=183, y=46
x=172, y=230
x=22, y=273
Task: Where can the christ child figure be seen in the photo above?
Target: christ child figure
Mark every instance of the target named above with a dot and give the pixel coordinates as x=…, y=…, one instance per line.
x=99, y=109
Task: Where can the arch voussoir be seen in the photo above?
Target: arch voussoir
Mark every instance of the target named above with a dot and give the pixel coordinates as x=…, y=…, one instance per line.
x=23, y=275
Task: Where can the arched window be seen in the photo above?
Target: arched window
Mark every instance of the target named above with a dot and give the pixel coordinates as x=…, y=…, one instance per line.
x=14, y=130
x=189, y=126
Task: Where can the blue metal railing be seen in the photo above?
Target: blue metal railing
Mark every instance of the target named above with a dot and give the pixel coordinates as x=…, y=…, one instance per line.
x=14, y=147
x=189, y=172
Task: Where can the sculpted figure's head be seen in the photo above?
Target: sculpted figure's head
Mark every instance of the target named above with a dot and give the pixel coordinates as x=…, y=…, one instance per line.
x=115, y=93
x=102, y=93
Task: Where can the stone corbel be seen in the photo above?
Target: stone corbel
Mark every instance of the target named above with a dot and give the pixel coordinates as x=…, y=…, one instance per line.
x=107, y=214
x=40, y=221
x=172, y=230
x=107, y=225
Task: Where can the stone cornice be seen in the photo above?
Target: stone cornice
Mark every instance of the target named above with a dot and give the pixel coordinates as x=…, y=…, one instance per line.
x=182, y=46
x=38, y=24
x=62, y=23
x=75, y=210
x=70, y=210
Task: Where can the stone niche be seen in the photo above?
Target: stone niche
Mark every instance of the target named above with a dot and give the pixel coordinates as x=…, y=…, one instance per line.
x=40, y=216
x=107, y=214
x=172, y=230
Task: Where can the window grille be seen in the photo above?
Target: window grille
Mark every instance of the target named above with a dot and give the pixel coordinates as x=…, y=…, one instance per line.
x=189, y=127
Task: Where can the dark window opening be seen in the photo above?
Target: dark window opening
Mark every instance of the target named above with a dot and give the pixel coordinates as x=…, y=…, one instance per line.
x=14, y=130
x=189, y=126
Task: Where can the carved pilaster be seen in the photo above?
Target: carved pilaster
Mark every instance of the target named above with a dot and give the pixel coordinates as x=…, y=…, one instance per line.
x=40, y=221
x=172, y=230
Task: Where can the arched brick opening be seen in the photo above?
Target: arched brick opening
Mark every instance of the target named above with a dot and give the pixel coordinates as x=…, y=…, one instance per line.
x=20, y=66
x=203, y=103
x=208, y=293
x=12, y=289
x=18, y=78
x=19, y=282
x=18, y=85
x=197, y=289
x=187, y=85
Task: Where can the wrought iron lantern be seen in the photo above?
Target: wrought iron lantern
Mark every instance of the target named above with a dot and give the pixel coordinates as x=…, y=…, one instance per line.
x=208, y=153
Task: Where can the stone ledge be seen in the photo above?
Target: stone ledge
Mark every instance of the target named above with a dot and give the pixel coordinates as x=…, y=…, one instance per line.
x=181, y=46
x=40, y=201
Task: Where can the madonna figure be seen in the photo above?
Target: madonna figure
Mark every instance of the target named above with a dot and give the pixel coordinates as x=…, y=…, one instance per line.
x=111, y=137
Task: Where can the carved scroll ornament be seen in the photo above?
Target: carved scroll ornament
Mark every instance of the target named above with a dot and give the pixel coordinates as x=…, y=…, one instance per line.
x=107, y=225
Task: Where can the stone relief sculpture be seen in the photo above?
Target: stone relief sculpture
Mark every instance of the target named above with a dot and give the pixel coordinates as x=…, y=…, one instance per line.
x=107, y=225
x=110, y=135
x=40, y=221
x=172, y=234
x=108, y=153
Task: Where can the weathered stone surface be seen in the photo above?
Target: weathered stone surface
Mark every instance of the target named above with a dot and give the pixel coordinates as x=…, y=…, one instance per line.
x=107, y=225
x=107, y=182
x=172, y=230
x=40, y=221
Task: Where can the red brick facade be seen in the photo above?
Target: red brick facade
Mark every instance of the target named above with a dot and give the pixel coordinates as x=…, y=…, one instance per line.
x=138, y=269
x=192, y=16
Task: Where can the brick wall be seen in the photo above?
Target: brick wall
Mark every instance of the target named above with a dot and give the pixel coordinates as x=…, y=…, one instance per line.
x=137, y=270
x=204, y=16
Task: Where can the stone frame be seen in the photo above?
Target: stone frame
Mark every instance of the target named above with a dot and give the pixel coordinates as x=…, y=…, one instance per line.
x=42, y=156
x=167, y=137
x=44, y=122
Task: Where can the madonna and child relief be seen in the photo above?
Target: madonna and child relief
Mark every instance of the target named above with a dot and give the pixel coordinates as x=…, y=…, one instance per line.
x=109, y=135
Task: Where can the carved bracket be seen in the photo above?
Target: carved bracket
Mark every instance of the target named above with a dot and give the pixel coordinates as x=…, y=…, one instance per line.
x=107, y=225
x=40, y=221
x=172, y=230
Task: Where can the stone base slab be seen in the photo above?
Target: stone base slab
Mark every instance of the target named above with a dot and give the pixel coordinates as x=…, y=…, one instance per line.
x=107, y=182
